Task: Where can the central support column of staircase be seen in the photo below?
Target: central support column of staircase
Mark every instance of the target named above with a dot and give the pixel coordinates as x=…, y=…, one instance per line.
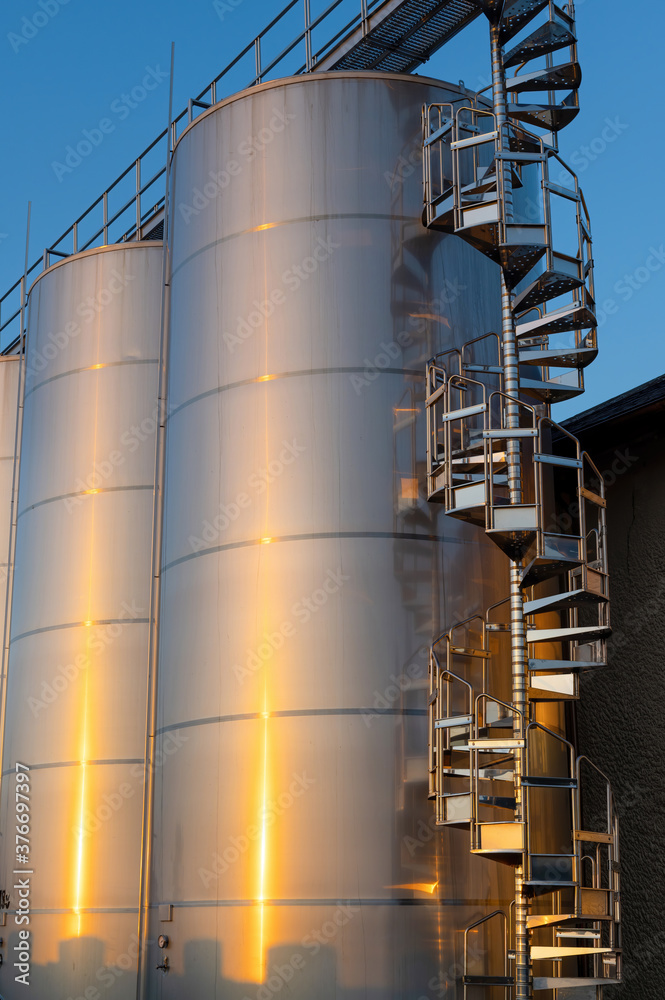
x=519, y=652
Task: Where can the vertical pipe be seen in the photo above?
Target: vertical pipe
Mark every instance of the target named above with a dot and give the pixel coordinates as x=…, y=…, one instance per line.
x=158, y=512
x=519, y=661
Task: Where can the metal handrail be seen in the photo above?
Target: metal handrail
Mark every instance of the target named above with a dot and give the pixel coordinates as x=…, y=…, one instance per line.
x=213, y=94
x=474, y=758
x=520, y=406
x=474, y=926
x=526, y=789
x=439, y=738
x=611, y=830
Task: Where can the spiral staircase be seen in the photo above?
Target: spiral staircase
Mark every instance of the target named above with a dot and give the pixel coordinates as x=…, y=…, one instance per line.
x=496, y=460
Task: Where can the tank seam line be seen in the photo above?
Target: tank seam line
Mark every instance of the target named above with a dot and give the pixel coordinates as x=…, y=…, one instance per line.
x=294, y=374
x=81, y=493
x=92, y=368
x=379, y=216
x=77, y=763
x=95, y=624
x=392, y=901
x=402, y=535
x=304, y=713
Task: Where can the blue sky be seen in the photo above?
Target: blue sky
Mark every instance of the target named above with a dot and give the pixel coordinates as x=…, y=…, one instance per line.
x=82, y=57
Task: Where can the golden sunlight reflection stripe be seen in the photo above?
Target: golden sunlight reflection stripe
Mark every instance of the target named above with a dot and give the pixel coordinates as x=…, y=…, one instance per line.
x=264, y=839
x=264, y=596
x=80, y=858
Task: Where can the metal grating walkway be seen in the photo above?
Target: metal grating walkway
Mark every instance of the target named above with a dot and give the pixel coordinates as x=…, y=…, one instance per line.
x=401, y=35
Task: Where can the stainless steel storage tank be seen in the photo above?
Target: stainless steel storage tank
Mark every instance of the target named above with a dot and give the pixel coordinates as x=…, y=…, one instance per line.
x=304, y=574
x=79, y=625
x=10, y=376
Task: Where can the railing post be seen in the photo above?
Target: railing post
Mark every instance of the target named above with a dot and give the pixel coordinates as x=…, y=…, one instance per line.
x=138, y=199
x=105, y=201
x=257, y=56
x=363, y=14
x=308, y=38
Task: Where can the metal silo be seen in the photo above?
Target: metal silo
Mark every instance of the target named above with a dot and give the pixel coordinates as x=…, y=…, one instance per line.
x=10, y=376
x=79, y=622
x=304, y=575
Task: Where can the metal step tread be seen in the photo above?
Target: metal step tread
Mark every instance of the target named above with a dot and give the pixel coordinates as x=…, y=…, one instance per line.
x=563, y=77
x=579, y=633
x=550, y=390
x=545, y=781
x=551, y=919
x=569, y=982
x=548, y=285
x=516, y=14
x=553, y=35
x=488, y=980
x=551, y=116
x=556, y=952
x=572, y=316
x=566, y=666
x=566, y=357
x=566, y=599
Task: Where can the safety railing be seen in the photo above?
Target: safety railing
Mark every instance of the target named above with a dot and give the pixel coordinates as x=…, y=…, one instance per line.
x=598, y=888
x=487, y=977
x=514, y=744
x=121, y=212
x=552, y=866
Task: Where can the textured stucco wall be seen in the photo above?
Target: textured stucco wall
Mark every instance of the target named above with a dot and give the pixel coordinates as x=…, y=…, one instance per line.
x=620, y=713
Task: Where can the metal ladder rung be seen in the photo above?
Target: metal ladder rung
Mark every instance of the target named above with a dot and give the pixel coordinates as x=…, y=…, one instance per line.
x=593, y=837
x=469, y=651
x=511, y=432
x=572, y=463
x=466, y=411
x=474, y=140
x=453, y=722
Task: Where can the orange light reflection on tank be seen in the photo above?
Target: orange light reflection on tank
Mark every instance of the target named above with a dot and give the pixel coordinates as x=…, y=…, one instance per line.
x=428, y=887
x=432, y=316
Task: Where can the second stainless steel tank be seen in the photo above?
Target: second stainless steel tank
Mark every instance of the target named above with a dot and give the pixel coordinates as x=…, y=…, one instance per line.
x=75, y=729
